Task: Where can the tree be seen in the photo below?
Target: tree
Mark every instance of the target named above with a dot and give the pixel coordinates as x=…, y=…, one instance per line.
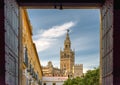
x=90, y=78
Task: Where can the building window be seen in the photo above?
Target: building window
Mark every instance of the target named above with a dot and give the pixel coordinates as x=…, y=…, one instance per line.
x=54, y=83
x=66, y=46
x=67, y=56
x=31, y=71
x=27, y=81
x=25, y=57
x=39, y=82
x=30, y=82
x=29, y=68
x=44, y=84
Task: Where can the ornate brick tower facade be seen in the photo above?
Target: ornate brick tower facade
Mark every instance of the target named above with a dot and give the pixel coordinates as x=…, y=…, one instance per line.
x=67, y=58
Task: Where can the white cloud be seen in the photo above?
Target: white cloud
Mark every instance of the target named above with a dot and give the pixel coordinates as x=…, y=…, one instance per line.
x=57, y=31
x=45, y=40
x=42, y=44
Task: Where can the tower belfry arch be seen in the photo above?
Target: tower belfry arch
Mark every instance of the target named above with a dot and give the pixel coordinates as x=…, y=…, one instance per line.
x=109, y=34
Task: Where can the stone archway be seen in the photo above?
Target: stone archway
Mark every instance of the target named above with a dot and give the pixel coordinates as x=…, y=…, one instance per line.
x=110, y=35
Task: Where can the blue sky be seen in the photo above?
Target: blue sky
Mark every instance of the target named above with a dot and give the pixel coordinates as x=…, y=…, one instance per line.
x=49, y=32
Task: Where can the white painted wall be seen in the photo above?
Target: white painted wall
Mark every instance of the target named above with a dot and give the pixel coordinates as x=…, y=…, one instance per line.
x=51, y=83
x=51, y=80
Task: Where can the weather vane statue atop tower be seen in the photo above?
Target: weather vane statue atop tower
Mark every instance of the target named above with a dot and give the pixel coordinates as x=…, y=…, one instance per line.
x=67, y=30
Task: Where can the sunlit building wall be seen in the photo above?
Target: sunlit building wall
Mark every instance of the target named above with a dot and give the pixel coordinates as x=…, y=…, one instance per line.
x=31, y=67
x=51, y=71
x=78, y=70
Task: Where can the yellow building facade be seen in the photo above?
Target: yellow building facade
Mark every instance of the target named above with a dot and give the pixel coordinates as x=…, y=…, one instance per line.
x=31, y=67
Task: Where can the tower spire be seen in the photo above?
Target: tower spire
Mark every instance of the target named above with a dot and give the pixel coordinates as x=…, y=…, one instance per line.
x=67, y=42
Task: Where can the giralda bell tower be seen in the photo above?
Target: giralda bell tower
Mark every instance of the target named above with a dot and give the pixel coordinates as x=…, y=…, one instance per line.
x=67, y=58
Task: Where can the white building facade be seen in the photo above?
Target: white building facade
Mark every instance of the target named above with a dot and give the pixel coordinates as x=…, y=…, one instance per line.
x=53, y=80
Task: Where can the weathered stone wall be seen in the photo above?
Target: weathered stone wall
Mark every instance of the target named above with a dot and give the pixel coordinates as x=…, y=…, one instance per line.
x=78, y=70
